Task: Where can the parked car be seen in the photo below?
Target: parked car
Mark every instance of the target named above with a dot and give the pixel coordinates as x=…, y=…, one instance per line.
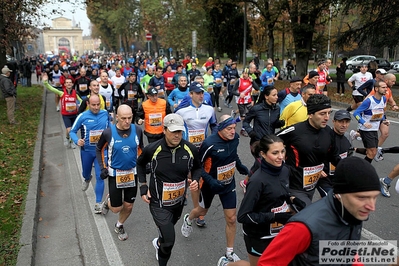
x=357, y=60
x=383, y=63
x=394, y=62
x=396, y=67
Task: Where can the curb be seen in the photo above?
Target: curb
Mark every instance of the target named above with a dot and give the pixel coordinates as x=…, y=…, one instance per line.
x=27, y=239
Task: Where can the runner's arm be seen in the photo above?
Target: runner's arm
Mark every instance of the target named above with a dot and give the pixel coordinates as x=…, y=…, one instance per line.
x=101, y=146
x=294, y=239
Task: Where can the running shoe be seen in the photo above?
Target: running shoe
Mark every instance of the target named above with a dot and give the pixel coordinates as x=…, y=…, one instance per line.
x=379, y=157
x=230, y=106
x=233, y=113
x=200, y=222
x=104, y=205
x=243, y=185
x=225, y=104
x=355, y=135
x=73, y=145
x=219, y=109
x=223, y=261
x=97, y=208
x=67, y=143
x=232, y=257
x=86, y=183
x=384, y=188
x=243, y=133
x=155, y=244
x=57, y=108
x=336, y=94
x=122, y=235
x=342, y=94
x=186, y=229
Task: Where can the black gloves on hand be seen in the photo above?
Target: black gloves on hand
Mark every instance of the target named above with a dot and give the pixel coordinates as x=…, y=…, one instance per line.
x=299, y=205
x=104, y=173
x=143, y=190
x=252, y=134
x=282, y=217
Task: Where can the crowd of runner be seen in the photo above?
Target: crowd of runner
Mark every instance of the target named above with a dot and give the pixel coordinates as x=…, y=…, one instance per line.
x=109, y=103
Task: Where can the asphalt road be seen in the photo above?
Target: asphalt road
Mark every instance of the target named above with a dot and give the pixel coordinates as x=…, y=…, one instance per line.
x=69, y=233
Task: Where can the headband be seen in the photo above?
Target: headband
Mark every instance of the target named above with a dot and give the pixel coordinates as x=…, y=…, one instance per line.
x=229, y=121
x=317, y=107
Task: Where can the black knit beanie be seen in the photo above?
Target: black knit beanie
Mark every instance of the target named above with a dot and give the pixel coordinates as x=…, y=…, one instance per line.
x=354, y=174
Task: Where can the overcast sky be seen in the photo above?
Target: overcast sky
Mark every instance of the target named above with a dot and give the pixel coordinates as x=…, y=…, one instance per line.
x=71, y=12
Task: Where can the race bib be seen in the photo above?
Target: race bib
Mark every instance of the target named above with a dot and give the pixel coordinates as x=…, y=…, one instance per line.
x=161, y=93
x=270, y=81
x=118, y=86
x=232, y=82
x=218, y=80
x=173, y=193
x=125, y=178
x=57, y=82
x=311, y=175
x=169, y=80
x=225, y=173
x=210, y=89
x=196, y=136
x=276, y=227
x=108, y=103
x=332, y=167
x=155, y=119
x=131, y=94
x=83, y=87
x=70, y=107
x=94, y=136
x=377, y=114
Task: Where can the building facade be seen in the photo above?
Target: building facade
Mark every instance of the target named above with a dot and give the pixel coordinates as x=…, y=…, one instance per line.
x=63, y=37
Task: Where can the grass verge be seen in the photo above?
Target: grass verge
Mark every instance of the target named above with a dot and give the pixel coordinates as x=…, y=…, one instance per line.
x=17, y=145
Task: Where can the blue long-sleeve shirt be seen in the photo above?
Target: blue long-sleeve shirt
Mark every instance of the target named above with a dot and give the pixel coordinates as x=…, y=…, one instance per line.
x=176, y=96
x=92, y=126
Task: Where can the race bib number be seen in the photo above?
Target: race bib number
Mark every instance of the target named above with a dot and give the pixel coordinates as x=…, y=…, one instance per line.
x=169, y=80
x=225, y=173
x=94, y=136
x=270, y=81
x=255, y=92
x=173, y=193
x=118, y=86
x=196, y=136
x=377, y=114
x=218, y=80
x=83, y=87
x=125, y=178
x=155, y=119
x=276, y=227
x=57, y=82
x=161, y=93
x=70, y=107
x=332, y=167
x=108, y=103
x=311, y=175
x=210, y=89
x=131, y=94
x=232, y=82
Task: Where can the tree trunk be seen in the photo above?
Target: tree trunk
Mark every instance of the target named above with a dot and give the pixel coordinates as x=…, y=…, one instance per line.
x=3, y=49
x=270, y=46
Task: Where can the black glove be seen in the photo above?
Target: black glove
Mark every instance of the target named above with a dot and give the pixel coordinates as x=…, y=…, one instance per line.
x=282, y=217
x=216, y=186
x=143, y=190
x=353, y=87
x=104, y=173
x=298, y=204
x=252, y=134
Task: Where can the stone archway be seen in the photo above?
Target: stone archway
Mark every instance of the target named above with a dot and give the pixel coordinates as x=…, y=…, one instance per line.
x=64, y=46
